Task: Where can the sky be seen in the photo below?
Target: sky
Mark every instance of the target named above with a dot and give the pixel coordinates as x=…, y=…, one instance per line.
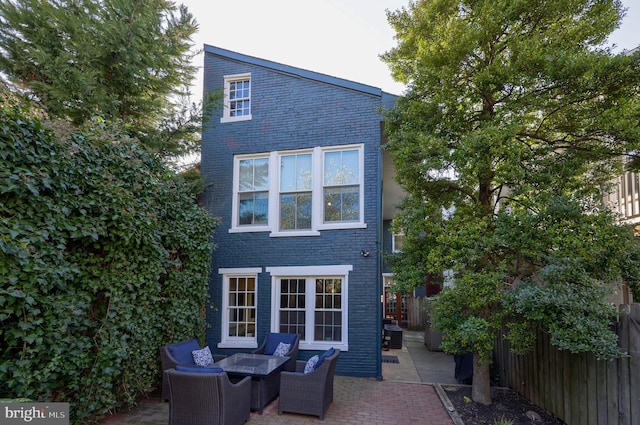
x=341, y=38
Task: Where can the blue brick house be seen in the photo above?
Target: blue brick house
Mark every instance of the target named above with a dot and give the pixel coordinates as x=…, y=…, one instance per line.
x=294, y=171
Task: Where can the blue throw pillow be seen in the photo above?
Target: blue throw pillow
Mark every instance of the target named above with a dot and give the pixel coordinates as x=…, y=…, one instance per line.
x=330, y=352
x=273, y=339
x=182, y=352
x=192, y=369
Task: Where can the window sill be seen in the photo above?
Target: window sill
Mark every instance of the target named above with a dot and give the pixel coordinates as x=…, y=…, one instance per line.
x=321, y=346
x=294, y=234
x=342, y=226
x=235, y=119
x=238, y=344
x=249, y=229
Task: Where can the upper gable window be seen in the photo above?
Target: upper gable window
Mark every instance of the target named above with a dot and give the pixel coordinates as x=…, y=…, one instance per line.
x=237, y=98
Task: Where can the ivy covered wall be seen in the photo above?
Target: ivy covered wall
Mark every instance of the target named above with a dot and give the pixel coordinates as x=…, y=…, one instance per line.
x=104, y=256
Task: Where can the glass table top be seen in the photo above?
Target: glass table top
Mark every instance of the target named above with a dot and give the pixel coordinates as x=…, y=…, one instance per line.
x=251, y=364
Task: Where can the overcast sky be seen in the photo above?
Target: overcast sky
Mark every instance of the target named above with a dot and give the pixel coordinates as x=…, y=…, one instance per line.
x=341, y=38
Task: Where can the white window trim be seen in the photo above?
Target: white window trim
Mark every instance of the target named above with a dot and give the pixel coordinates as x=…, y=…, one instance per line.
x=339, y=271
x=236, y=342
x=225, y=109
x=317, y=206
x=393, y=242
x=319, y=188
x=276, y=232
x=235, y=226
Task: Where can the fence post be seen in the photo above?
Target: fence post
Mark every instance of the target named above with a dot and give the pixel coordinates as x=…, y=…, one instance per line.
x=634, y=362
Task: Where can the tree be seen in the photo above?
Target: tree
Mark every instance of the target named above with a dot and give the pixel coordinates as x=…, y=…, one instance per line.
x=119, y=59
x=514, y=123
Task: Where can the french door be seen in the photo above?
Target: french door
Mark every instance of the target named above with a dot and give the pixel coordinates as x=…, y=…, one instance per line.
x=395, y=304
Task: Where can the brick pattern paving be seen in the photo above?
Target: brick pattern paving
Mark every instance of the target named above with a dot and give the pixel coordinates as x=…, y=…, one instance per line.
x=356, y=401
x=359, y=401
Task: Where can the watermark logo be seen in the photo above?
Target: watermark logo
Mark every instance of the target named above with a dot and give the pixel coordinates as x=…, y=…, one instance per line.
x=34, y=413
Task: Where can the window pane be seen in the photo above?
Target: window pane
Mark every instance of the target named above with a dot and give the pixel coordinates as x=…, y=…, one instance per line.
x=342, y=204
x=341, y=180
x=254, y=208
x=328, y=314
x=341, y=168
x=328, y=326
x=293, y=322
x=242, y=307
x=292, y=307
x=295, y=172
x=254, y=174
x=239, y=98
x=239, y=89
x=239, y=108
x=253, y=198
x=295, y=211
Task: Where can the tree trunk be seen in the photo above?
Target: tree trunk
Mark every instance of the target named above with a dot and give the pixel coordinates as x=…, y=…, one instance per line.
x=481, y=388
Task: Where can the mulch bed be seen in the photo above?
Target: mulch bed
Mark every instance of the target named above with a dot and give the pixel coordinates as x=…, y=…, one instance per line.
x=508, y=406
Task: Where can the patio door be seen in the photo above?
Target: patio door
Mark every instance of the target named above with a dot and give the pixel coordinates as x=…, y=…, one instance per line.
x=395, y=304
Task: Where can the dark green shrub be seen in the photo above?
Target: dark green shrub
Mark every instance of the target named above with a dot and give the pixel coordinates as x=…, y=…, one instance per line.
x=104, y=256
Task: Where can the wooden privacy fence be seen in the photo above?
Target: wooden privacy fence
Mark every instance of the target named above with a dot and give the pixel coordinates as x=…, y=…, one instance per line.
x=577, y=388
x=415, y=312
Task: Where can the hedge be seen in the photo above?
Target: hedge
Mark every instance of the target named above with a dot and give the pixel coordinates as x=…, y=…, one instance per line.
x=104, y=256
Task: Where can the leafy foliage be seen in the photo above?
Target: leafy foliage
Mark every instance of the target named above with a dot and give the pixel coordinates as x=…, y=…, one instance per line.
x=515, y=122
x=104, y=256
x=118, y=59
x=569, y=305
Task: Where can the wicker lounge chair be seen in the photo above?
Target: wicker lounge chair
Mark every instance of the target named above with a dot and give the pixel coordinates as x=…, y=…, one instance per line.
x=173, y=355
x=207, y=398
x=271, y=342
x=311, y=393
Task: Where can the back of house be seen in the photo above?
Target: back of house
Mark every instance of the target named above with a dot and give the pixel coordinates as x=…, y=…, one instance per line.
x=293, y=169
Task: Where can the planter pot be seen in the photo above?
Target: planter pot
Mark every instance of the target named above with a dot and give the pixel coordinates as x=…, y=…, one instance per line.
x=432, y=338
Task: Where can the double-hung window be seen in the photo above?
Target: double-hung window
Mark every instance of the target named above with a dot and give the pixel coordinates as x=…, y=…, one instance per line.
x=239, y=305
x=237, y=98
x=253, y=191
x=296, y=180
x=311, y=301
x=341, y=186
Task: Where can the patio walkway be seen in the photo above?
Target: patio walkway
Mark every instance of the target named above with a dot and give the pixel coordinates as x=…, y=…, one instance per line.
x=406, y=395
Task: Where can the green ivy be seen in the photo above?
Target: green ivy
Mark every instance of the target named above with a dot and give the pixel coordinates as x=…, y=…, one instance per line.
x=104, y=256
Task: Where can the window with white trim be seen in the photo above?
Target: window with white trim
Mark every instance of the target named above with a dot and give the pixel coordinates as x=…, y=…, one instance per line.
x=296, y=178
x=253, y=191
x=341, y=186
x=237, y=98
x=299, y=193
x=311, y=301
x=396, y=241
x=239, y=307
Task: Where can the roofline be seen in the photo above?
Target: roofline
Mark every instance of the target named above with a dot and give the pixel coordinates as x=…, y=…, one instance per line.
x=631, y=51
x=292, y=70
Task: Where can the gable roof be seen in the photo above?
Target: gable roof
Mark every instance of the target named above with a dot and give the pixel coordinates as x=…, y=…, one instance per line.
x=387, y=98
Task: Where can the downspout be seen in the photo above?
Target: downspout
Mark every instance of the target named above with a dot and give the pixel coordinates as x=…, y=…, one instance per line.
x=379, y=281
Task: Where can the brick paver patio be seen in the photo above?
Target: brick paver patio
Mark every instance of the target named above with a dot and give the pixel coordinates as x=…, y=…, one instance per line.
x=356, y=401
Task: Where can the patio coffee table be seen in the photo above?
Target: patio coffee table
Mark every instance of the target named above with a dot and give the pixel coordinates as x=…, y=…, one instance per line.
x=264, y=371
